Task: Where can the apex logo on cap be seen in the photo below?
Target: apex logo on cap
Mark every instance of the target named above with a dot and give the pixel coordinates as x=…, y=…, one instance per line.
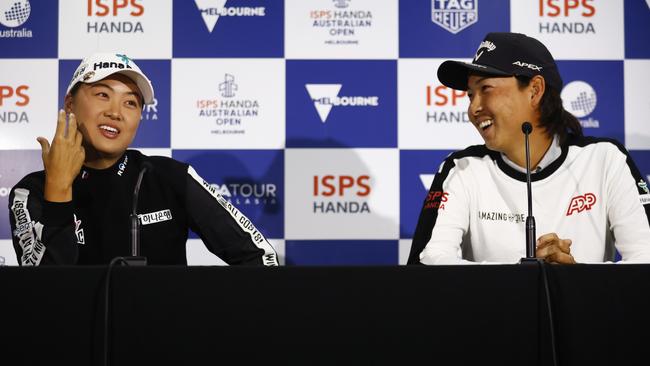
x=530, y=66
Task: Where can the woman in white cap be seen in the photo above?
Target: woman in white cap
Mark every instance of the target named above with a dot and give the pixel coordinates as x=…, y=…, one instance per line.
x=78, y=210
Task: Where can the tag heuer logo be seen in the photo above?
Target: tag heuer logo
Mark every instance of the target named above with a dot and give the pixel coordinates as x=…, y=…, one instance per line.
x=454, y=15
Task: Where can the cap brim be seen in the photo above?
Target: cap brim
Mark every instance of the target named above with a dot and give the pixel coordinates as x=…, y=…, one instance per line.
x=454, y=74
x=143, y=84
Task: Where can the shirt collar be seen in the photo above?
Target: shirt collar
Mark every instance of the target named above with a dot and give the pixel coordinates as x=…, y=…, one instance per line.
x=554, y=151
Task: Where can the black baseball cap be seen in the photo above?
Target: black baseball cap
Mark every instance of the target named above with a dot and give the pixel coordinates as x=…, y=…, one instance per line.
x=503, y=54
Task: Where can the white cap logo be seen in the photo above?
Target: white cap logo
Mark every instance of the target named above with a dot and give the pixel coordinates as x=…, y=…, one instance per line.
x=579, y=98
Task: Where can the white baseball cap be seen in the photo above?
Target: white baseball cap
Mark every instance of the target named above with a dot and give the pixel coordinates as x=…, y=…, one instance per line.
x=100, y=65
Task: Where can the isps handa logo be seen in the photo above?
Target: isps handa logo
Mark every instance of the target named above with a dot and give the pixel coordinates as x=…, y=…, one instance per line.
x=580, y=99
x=13, y=100
x=228, y=111
x=211, y=10
x=326, y=96
x=13, y=14
x=337, y=194
x=445, y=105
x=115, y=16
x=436, y=200
x=566, y=17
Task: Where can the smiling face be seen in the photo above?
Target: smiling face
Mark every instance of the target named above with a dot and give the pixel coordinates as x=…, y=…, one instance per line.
x=108, y=113
x=498, y=107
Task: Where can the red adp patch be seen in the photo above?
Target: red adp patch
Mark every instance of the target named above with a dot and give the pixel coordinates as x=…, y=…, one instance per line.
x=581, y=203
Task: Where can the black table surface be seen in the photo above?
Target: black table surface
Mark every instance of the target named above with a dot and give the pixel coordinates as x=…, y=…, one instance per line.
x=489, y=315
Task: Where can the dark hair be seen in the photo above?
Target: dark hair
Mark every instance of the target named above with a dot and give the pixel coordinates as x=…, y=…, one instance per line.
x=74, y=89
x=554, y=118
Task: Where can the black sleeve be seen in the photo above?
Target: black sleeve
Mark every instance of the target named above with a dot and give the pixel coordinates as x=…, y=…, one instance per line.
x=223, y=228
x=42, y=231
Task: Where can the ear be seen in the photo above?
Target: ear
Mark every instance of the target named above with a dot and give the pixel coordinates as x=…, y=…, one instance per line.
x=67, y=103
x=537, y=88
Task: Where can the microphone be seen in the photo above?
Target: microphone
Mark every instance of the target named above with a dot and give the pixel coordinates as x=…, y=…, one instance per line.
x=527, y=128
x=136, y=259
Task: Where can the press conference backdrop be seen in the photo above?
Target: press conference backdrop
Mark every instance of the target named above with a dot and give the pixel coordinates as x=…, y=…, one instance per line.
x=322, y=120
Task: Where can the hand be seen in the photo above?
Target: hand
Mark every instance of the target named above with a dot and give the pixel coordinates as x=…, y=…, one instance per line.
x=63, y=160
x=552, y=249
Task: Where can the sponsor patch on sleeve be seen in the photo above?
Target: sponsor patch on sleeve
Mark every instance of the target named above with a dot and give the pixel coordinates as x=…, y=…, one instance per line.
x=645, y=199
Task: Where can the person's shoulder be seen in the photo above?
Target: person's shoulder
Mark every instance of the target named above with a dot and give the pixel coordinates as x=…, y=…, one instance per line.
x=158, y=163
x=33, y=180
x=604, y=143
x=474, y=151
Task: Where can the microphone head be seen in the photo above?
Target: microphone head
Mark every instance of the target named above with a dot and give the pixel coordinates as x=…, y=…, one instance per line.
x=526, y=128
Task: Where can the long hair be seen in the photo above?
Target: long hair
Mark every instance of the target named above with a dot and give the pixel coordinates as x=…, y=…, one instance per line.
x=554, y=118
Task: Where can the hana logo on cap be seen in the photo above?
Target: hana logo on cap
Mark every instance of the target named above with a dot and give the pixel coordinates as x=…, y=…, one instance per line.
x=101, y=65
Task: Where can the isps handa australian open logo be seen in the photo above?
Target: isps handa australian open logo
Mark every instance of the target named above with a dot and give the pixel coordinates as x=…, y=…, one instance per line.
x=229, y=111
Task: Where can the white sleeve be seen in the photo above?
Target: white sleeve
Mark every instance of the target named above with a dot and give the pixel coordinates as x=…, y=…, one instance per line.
x=627, y=215
x=451, y=225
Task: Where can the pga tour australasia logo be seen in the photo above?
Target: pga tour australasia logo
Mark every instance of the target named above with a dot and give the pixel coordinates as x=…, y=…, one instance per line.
x=326, y=96
x=579, y=98
x=248, y=194
x=211, y=10
x=13, y=14
x=454, y=15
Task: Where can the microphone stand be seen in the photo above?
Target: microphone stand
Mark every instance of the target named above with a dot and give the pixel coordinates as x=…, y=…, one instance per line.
x=527, y=128
x=531, y=258
x=136, y=259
